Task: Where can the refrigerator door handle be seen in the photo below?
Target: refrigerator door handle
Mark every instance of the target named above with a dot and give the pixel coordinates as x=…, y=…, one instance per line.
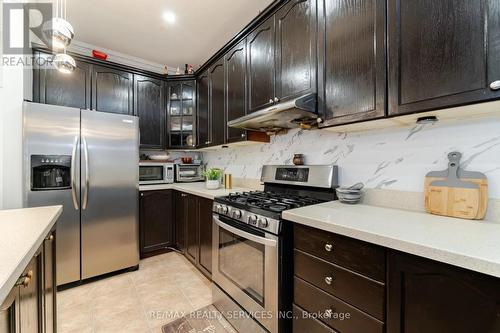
x=73, y=171
x=86, y=193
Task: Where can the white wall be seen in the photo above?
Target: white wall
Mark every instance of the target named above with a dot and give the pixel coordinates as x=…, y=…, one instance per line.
x=391, y=158
x=11, y=98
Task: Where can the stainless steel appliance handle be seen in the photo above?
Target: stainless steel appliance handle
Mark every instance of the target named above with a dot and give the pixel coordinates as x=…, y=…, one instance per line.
x=244, y=234
x=86, y=193
x=73, y=171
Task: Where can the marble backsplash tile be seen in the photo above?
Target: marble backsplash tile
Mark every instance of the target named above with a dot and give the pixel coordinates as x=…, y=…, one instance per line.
x=394, y=159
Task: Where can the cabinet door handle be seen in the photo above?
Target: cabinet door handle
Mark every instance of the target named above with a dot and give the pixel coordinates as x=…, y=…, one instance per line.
x=276, y=99
x=184, y=195
x=142, y=194
x=243, y=135
x=319, y=120
x=495, y=85
x=270, y=100
x=328, y=280
x=50, y=238
x=328, y=247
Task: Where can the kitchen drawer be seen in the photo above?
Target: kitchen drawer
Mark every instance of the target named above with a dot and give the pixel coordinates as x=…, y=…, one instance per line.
x=361, y=257
x=303, y=323
x=365, y=294
x=314, y=300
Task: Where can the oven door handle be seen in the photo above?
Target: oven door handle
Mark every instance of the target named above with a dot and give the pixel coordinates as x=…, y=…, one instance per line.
x=244, y=234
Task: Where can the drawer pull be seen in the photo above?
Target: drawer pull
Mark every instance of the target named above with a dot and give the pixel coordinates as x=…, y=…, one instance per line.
x=328, y=247
x=328, y=280
x=495, y=85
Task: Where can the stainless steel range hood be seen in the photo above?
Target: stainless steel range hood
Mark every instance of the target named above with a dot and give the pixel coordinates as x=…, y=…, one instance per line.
x=290, y=114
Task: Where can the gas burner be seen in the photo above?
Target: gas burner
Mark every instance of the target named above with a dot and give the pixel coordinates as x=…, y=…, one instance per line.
x=270, y=201
x=276, y=207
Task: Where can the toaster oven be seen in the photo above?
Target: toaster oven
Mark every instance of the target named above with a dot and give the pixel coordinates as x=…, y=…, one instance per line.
x=189, y=173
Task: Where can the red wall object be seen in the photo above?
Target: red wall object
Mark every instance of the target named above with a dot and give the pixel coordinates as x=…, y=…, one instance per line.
x=99, y=55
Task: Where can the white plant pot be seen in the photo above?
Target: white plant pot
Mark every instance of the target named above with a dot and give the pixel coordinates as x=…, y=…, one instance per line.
x=212, y=184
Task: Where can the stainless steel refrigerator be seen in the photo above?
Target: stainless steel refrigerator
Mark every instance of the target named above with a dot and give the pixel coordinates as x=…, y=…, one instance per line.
x=87, y=161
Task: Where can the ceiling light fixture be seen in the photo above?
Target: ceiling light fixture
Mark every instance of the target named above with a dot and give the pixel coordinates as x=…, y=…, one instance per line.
x=58, y=31
x=64, y=63
x=169, y=17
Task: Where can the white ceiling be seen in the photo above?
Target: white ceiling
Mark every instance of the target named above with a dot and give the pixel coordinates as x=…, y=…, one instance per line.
x=136, y=27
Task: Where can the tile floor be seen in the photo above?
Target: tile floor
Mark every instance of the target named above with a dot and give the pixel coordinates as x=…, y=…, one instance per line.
x=165, y=288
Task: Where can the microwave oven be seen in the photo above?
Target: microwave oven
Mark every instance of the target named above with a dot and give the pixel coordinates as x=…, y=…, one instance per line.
x=155, y=173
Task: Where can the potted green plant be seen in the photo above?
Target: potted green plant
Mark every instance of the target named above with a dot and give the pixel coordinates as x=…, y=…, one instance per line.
x=213, y=177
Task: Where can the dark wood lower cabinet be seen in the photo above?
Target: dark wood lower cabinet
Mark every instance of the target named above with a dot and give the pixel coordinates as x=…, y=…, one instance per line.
x=304, y=322
x=29, y=296
x=30, y=307
x=332, y=311
x=156, y=223
x=192, y=228
x=180, y=208
x=205, y=221
x=198, y=220
x=419, y=295
x=339, y=283
x=176, y=219
x=431, y=297
x=49, y=294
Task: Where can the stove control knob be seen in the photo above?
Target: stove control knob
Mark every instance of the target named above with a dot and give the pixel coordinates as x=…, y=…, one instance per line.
x=218, y=208
x=263, y=223
x=224, y=209
x=236, y=213
x=252, y=219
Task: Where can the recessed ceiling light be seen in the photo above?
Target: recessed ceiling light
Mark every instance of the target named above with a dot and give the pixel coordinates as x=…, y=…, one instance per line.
x=169, y=17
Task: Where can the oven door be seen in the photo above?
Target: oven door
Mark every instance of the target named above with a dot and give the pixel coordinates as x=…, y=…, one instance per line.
x=245, y=266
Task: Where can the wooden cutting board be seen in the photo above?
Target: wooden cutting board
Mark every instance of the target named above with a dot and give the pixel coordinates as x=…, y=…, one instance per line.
x=449, y=192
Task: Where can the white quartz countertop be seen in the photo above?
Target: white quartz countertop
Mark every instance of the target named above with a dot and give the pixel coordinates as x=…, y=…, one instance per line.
x=23, y=232
x=474, y=245
x=197, y=188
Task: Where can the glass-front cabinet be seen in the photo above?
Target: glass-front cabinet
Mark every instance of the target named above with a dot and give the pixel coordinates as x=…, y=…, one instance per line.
x=182, y=114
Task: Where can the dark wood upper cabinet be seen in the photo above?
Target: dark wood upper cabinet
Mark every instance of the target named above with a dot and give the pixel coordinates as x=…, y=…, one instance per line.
x=442, y=53
x=202, y=112
x=236, y=96
x=112, y=90
x=261, y=66
x=205, y=222
x=149, y=106
x=156, y=223
x=181, y=113
x=352, y=61
x=53, y=87
x=296, y=44
x=217, y=104
x=427, y=296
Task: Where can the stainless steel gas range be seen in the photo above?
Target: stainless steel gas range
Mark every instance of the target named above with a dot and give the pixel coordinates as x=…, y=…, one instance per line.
x=251, y=250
